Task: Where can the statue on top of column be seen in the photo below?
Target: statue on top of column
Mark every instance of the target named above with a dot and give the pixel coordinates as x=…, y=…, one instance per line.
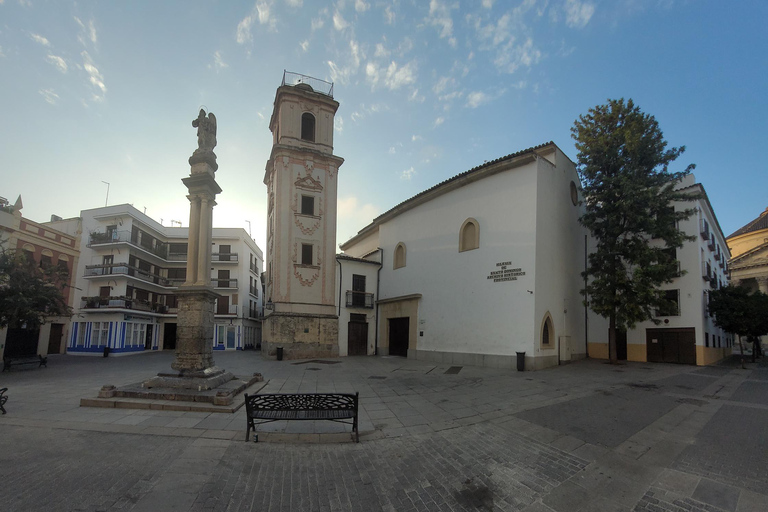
x=206, y=140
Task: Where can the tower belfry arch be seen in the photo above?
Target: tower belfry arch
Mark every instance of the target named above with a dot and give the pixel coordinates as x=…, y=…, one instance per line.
x=301, y=177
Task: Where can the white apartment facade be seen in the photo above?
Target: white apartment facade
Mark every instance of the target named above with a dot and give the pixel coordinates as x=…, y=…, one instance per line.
x=129, y=269
x=687, y=333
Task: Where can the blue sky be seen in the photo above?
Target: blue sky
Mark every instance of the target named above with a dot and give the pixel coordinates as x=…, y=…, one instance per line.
x=106, y=91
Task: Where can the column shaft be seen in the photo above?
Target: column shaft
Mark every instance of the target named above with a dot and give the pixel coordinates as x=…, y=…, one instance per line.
x=194, y=242
x=204, y=241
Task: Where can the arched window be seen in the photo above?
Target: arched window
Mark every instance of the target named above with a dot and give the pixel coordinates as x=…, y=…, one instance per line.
x=547, y=332
x=29, y=252
x=469, y=235
x=399, y=255
x=308, y=127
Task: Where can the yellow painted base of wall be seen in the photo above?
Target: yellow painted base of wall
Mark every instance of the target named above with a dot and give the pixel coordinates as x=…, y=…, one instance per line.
x=710, y=355
x=636, y=352
x=598, y=350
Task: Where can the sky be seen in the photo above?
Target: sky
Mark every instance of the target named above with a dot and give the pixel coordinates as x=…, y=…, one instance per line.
x=97, y=91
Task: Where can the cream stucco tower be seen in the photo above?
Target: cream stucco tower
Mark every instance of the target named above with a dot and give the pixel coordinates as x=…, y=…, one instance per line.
x=301, y=178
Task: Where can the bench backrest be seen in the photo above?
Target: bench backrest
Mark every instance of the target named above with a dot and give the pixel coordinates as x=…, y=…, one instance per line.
x=301, y=402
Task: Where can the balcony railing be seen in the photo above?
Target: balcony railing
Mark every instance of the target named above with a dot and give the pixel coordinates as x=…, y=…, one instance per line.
x=122, y=302
x=224, y=283
x=359, y=300
x=177, y=256
x=224, y=256
x=157, y=248
x=124, y=269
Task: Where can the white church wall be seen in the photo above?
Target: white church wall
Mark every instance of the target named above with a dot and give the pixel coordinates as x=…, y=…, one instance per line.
x=558, y=265
x=461, y=310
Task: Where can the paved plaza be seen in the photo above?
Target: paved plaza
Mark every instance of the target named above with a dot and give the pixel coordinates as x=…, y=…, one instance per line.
x=587, y=436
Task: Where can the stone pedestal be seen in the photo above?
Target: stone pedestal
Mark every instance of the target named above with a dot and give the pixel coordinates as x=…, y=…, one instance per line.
x=302, y=336
x=194, y=334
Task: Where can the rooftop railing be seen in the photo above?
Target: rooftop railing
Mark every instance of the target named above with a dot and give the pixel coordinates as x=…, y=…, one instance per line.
x=317, y=85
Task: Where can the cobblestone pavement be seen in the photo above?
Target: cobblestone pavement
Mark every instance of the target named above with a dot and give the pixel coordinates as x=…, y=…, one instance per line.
x=581, y=437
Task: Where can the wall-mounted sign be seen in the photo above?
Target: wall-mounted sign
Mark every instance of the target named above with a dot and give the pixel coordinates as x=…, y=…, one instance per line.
x=504, y=273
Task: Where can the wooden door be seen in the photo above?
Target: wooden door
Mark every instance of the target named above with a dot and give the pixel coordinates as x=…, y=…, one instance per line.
x=398, y=336
x=671, y=345
x=54, y=339
x=357, y=338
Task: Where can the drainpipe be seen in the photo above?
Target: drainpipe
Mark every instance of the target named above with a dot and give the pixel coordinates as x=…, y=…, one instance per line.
x=340, y=282
x=378, y=283
x=586, y=297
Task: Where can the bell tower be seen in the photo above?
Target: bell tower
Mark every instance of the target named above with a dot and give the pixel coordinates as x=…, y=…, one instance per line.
x=301, y=178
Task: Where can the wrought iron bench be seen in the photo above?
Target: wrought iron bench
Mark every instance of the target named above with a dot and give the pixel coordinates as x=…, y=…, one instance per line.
x=22, y=360
x=268, y=407
x=3, y=399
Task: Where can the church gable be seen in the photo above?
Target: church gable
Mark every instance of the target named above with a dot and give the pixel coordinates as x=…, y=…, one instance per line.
x=308, y=183
x=756, y=257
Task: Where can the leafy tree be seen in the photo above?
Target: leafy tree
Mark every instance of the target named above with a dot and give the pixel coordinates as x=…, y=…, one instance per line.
x=29, y=293
x=623, y=163
x=737, y=310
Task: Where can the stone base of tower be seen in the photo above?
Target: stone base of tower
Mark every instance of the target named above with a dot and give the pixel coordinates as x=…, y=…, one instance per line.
x=301, y=336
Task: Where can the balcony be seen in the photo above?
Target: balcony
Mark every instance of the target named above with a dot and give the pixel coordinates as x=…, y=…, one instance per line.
x=224, y=283
x=227, y=257
x=254, y=268
x=122, y=302
x=125, y=269
x=359, y=300
x=254, y=291
x=177, y=256
x=150, y=245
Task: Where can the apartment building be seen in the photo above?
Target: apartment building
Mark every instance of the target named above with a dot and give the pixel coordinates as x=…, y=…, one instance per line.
x=686, y=332
x=128, y=273
x=45, y=245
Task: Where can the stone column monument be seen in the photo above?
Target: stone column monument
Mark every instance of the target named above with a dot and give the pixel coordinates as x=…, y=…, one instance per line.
x=194, y=336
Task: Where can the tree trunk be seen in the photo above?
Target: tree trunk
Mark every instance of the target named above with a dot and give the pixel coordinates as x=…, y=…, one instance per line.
x=612, y=356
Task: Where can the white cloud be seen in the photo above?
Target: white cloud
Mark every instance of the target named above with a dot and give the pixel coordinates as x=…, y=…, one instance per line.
x=389, y=15
x=511, y=56
x=442, y=84
x=440, y=17
x=397, y=77
x=372, y=74
x=338, y=73
x=438, y=122
x=49, y=96
x=487, y=4
x=218, y=62
x=57, y=61
x=40, y=39
x=87, y=32
x=262, y=11
x=1, y=52
x=339, y=23
x=415, y=96
x=361, y=6
x=295, y=3
x=244, y=29
x=304, y=45
x=94, y=77
x=338, y=124
x=407, y=174
x=317, y=23
x=381, y=51
x=477, y=98
x=415, y=138
x=392, y=150
x=578, y=14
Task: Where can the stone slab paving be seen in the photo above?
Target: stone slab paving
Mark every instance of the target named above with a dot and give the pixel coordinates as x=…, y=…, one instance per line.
x=582, y=437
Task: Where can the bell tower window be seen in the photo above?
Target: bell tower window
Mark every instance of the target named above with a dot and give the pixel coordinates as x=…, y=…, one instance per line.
x=308, y=127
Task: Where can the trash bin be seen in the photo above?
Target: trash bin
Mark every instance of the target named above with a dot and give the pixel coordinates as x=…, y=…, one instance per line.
x=521, y=361
x=106, y=350
x=279, y=353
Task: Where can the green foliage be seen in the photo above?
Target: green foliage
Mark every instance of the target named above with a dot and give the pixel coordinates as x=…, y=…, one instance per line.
x=737, y=310
x=623, y=163
x=29, y=293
